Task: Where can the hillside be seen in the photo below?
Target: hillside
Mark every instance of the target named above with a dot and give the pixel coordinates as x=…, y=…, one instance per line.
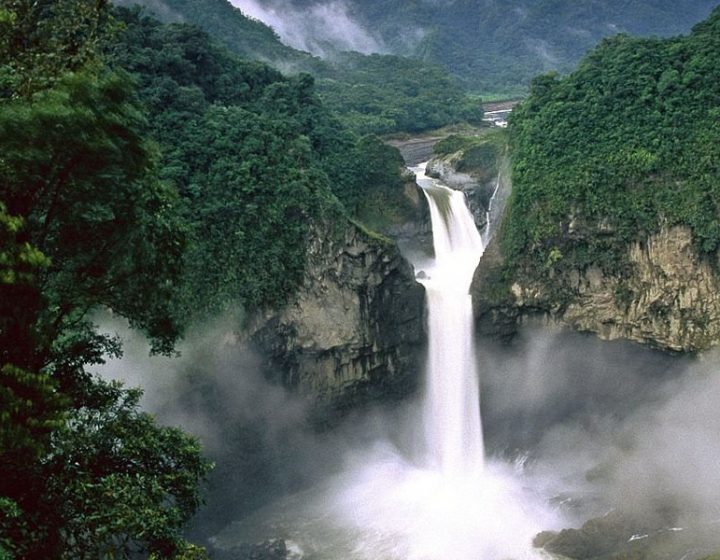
x=148, y=172
x=499, y=46
x=376, y=94
x=613, y=224
x=247, y=37
x=490, y=45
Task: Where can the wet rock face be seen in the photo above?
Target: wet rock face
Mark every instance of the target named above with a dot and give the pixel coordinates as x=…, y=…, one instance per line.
x=478, y=190
x=670, y=299
x=354, y=329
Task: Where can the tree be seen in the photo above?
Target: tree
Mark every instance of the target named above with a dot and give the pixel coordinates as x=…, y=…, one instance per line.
x=85, y=222
x=40, y=40
x=78, y=170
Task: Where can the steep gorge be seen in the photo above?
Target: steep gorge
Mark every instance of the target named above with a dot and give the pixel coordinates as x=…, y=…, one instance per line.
x=612, y=226
x=666, y=296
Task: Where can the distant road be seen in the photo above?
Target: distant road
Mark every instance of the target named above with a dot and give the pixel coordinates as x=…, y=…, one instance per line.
x=420, y=148
x=500, y=105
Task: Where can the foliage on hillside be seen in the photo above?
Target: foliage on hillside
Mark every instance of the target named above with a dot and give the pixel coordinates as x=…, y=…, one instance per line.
x=498, y=46
x=84, y=222
x=148, y=171
x=247, y=37
x=375, y=94
x=255, y=156
x=381, y=94
x=626, y=144
x=478, y=154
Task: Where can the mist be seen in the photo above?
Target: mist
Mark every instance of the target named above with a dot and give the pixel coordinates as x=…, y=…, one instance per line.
x=589, y=426
x=321, y=28
x=259, y=435
x=610, y=426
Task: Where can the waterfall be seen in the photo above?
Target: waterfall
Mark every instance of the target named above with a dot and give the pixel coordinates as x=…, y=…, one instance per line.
x=452, y=424
x=449, y=502
x=490, y=214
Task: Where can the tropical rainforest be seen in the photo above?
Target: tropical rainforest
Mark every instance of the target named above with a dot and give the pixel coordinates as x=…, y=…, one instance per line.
x=621, y=147
x=519, y=38
x=378, y=94
x=166, y=171
x=148, y=171
x=490, y=46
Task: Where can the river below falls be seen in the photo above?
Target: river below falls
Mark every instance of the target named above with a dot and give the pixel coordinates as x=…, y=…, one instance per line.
x=386, y=508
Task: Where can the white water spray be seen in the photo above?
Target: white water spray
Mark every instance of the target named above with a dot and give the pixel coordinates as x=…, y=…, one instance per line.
x=452, y=422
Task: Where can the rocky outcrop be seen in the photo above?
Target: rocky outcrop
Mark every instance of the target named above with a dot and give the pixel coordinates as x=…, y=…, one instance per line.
x=479, y=167
x=617, y=536
x=477, y=191
x=416, y=150
x=670, y=298
x=415, y=231
x=354, y=329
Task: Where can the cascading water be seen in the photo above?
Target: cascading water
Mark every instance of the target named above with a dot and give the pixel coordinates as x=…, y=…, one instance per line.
x=453, y=429
x=448, y=502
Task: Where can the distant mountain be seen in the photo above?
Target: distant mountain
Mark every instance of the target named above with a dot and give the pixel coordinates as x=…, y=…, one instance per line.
x=245, y=36
x=613, y=225
x=377, y=93
x=489, y=44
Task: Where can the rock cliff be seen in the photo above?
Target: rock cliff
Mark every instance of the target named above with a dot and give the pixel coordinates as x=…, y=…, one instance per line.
x=475, y=165
x=478, y=189
x=354, y=329
x=668, y=298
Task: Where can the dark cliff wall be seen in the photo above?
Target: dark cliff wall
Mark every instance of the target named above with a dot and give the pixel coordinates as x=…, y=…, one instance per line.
x=354, y=330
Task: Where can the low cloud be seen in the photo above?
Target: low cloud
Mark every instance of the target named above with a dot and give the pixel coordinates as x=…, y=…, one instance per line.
x=320, y=28
x=612, y=425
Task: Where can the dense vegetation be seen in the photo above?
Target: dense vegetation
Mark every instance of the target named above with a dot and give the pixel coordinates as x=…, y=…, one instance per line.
x=623, y=146
x=256, y=158
x=145, y=170
x=84, y=222
x=237, y=141
x=244, y=36
x=374, y=94
x=381, y=94
x=489, y=47
x=478, y=154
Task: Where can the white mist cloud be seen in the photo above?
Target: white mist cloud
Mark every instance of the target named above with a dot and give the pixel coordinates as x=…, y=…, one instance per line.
x=614, y=425
x=319, y=28
x=215, y=382
x=670, y=453
x=628, y=428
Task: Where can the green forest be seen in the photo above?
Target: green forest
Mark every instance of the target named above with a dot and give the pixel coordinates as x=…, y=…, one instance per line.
x=623, y=146
x=148, y=171
x=166, y=172
x=376, y=94
x=490, y=46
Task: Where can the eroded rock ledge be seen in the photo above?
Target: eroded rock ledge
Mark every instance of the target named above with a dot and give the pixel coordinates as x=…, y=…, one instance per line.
x=354, y=329
x=670, y=299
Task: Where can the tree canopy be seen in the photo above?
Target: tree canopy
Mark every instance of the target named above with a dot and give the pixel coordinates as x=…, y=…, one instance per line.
x=624, y=145
x=85, y=222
